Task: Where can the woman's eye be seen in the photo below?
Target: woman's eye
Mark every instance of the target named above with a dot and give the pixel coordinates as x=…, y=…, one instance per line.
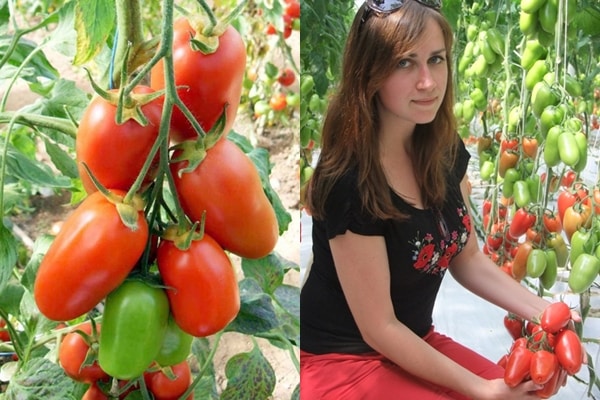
x=404, y=64
x=437, y=59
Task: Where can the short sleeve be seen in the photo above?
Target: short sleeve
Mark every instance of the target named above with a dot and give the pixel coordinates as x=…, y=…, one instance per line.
x=344, y=211
x=461, y=164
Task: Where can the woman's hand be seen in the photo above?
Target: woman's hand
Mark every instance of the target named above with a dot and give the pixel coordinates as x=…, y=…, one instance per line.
x=496, y=389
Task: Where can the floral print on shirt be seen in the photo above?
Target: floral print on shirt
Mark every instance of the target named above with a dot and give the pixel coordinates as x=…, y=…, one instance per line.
x=433, y=257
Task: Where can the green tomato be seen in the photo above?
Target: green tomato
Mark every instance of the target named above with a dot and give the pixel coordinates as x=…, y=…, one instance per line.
x=581, y=242
x=536, y=263
x=582, y=146
x=548, y=15
x=531, y=6
x=542, y=96
x=528, y=23
x=568, y=149
x=292, y=99
x=584, y=272
x=479, y=99
x=133, y=328
x=496, y=41
x=532, y=52
x=307, y=84
x=535, y=74
x=176, y=345
x=551, y=116
x=487, y=170
x=573, y=86
x=551, y=154
x=548, y=277
x=468, y=110
x=521, y=193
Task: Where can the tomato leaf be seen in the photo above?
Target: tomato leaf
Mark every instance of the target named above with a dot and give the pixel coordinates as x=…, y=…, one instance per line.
x=268, y=271
x=32, y=171
x=10, y=298
x=8, y=255
x=94, y=20
x=61, y=159
x=40, y=248
x=37, y=65
x=41, y=378
x=260, y=158
x=207, y=387
x=257, y=313
x=250, y=376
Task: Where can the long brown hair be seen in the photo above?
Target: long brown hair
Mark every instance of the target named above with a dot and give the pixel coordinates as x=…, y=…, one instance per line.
x=350, y=131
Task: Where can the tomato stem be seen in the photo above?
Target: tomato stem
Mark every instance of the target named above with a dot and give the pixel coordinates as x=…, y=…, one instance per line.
x=205, y=366
x=129, y=26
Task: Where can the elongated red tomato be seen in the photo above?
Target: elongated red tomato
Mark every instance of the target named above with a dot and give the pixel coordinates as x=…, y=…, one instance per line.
x=568, y=351
x=91, y=255
x=517, y=366
x=211, y=80
x=202, y=285
x=116, y=153
x=226, y=184
x=555, y=317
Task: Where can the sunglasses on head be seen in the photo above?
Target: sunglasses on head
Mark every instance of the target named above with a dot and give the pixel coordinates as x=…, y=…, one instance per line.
x=389, y=6
x=386, y=7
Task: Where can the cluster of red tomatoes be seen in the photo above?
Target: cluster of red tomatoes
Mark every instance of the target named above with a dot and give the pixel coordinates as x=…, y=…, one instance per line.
x=545, y=352
x=291, y=19
x=161, y=282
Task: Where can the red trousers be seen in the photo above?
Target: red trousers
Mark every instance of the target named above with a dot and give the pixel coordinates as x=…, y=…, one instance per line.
x=373, y=377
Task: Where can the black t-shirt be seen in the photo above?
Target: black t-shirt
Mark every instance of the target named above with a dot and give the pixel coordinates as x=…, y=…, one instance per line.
x=419, y=251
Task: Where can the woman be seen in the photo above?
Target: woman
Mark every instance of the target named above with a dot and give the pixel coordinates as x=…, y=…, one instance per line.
x=389, y=218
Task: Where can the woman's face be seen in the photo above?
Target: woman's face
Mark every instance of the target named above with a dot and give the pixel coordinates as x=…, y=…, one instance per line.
x=414, y=92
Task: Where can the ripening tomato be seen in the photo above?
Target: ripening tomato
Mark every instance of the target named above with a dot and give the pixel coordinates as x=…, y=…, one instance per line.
x=211, y=80
x=522, y=220
x=74, y=352
x=92, y=254
x=164, y=387
x=203, y=290
x=278, y=101
x=227, y=186
x=519, y=269
x=116, y=153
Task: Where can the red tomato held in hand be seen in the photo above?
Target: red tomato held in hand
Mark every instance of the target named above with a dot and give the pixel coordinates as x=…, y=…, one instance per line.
x=517, y=366
x=202, y=286
x=227, y=186
x=212, y=80
x=543, y=366
x=514, y=325
x=164, y=388
x=568, y=351
x=73, y=352
x=555, y=317
x=92, y=254
x=115, y=153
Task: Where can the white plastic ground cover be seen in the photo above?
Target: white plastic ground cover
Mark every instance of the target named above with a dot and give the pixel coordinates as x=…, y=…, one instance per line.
x=478, y=324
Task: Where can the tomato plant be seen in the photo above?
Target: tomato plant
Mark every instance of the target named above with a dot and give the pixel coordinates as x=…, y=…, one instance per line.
x=107, y=145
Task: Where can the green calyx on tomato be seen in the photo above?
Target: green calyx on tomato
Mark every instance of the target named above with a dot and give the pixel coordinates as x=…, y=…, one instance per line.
x=133, y=328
